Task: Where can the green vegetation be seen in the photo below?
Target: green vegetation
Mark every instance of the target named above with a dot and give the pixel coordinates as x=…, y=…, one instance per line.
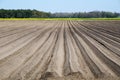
x=59, y=18
x=23, y=14
x=20, y=13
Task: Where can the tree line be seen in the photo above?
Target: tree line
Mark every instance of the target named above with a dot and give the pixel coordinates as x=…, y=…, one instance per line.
x=93, y=14
x=22, y=13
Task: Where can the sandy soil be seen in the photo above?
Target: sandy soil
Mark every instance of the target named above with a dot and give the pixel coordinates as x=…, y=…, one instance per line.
x=59, y=50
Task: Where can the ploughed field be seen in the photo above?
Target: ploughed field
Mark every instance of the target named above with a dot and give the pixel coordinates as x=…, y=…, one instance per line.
x=59, y=50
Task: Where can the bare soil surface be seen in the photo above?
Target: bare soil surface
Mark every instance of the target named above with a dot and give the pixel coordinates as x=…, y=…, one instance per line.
x=59, y=50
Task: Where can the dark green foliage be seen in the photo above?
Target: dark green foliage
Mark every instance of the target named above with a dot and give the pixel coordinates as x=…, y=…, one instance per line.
x=20, y=13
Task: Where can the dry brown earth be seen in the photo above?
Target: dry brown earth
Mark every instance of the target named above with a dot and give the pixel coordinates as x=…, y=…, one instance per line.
x=59, y=50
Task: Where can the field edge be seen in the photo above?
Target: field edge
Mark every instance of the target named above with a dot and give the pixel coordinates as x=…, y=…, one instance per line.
x=82, y=19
